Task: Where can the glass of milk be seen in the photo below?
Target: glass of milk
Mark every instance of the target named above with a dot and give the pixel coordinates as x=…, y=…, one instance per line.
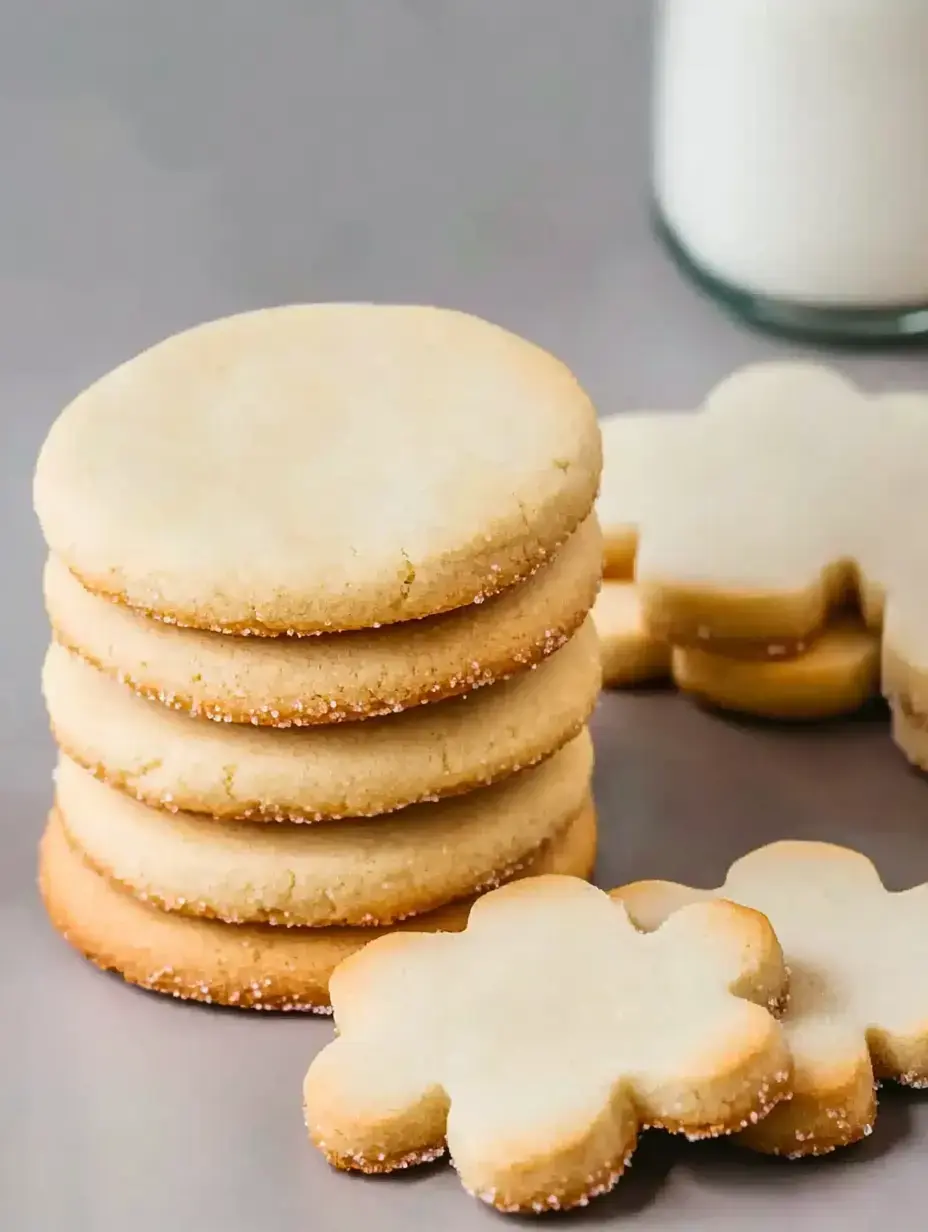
x=791, y=160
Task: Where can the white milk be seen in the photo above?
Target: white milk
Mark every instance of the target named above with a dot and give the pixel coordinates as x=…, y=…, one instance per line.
x=791, y=146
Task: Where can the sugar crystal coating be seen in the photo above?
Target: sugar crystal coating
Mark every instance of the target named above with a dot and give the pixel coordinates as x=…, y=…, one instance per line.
x=467, y=995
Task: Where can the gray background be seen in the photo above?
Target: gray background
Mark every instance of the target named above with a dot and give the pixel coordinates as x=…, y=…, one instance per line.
x=167, y=162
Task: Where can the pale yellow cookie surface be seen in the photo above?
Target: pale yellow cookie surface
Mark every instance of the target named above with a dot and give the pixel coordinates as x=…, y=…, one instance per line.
x=858, y=961
x=790, y=496
x=634, y=444
x=319, y=467
x=330, y=678
x=789, y=491
x=910, y=731
x=345, y=872
x=252, y=966
x=536, y=1043
x=837, y=674
x=905, y=676
x=317, y=773
x=630, y=655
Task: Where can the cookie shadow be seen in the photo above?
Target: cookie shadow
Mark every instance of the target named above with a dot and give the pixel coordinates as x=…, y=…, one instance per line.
x=641, y=688
x=654, y=1158
x=874, y=714
x=721, y=1162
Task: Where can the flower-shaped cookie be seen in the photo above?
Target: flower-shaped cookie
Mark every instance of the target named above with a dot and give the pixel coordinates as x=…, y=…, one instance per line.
x=539, y=1041
x=837, y=674
x=790, y=489
x=858, y=962
x=788, y=495
x=753, y=517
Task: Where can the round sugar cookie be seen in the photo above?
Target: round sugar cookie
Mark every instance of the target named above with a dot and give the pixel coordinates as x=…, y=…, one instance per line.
x=630, y=655
x=281, y=681
x=838, y=673
x=168, y=759
x=253, y=966
x=319, y=467
x=346, y=872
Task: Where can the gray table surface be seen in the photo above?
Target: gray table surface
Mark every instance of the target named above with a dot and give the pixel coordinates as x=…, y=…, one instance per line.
x=164, y=163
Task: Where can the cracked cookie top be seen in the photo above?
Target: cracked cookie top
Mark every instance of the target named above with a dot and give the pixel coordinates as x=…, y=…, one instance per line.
x=319, y=467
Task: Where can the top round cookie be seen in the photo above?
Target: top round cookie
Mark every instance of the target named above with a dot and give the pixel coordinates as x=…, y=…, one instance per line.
x=319, y=467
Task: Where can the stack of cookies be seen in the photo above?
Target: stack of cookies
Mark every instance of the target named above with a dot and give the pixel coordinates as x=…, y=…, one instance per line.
x=834, y=672
x=271, y=540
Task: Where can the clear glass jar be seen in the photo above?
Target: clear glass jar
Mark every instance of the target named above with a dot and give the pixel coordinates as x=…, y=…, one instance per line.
x=791, y=160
